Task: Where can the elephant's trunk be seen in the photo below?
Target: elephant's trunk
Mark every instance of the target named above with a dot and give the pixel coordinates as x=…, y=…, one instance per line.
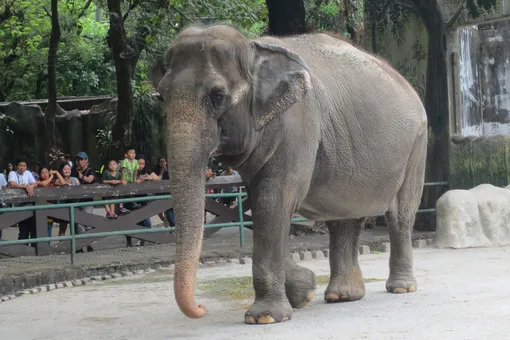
x=185, y=166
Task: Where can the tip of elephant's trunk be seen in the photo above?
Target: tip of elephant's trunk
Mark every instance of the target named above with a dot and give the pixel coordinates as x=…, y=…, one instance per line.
x=195, y=312
x=184, y=296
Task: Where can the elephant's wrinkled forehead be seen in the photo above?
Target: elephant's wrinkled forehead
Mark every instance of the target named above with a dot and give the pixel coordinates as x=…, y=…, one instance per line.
x=217, y=47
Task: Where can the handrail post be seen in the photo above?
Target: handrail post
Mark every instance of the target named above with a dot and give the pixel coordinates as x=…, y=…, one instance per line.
x=241, y=219
x=73, y=240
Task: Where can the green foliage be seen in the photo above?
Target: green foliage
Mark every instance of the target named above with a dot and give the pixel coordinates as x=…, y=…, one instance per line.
x=328, y=15
x=83, y=61
x=325, y=17
x=477, y=8
x=145, y=110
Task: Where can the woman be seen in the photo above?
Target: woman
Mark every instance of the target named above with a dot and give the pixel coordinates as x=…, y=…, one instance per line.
x=161, y=168
x=161, y=171
x=48, y=178
x=144, y=173
x=8, y=169
x=65, y=174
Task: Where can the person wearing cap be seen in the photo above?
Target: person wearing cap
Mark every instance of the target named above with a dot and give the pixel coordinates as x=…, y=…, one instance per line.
x=85, y=175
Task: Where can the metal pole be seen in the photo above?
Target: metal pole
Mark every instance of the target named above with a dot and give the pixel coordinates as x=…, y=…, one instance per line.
x=241, y=220
x=73, y=240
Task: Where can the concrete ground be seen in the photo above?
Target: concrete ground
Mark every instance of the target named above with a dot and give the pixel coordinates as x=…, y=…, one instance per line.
x=462, y=294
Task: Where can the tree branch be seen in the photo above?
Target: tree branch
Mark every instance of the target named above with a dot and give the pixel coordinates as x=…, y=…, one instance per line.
x=85, y=8
x=456, y=16
x=47, y=13
x=132, y=6
x=386, y=8
x=183, y=15
x=7, y=14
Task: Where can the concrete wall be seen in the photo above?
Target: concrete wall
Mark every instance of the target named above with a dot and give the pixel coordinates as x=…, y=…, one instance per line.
x=484, y=72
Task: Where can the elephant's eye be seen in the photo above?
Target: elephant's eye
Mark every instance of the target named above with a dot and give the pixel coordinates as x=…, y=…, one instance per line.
x=217, y=99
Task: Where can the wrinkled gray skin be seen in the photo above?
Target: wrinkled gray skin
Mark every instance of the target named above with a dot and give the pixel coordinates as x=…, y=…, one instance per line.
x=313, y=125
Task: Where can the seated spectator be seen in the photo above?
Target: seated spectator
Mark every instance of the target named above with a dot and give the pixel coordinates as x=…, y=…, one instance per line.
x=228, y=201
x=3, y=182
x=35, y=167
x=21, y=178
x=129, y=169
x=3, y=186
x=48, y=178
x=8, y=168
x=112, y=176
x=143, y=174
x=85, y=175
x=161, y=169
x=67, y=179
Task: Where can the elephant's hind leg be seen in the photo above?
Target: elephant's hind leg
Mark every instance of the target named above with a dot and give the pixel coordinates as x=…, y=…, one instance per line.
x=299, y=284
x=346, y=281
x=400, y=219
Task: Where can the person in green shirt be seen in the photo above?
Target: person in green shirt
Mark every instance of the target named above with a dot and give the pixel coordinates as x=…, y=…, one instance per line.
x=130, y=168
x=112, y=176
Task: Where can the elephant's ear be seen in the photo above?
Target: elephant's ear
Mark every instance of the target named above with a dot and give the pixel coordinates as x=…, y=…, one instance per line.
x=280, y=79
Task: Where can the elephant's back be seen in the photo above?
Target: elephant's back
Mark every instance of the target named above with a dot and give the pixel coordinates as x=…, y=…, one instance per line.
x=338, y=68
x=370, y=118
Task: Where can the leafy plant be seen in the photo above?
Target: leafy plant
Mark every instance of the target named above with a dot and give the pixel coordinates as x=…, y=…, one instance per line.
x=6, y=122
x=54, y=156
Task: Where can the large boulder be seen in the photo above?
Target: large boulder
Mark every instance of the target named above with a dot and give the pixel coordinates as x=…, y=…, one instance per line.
x=473, y=218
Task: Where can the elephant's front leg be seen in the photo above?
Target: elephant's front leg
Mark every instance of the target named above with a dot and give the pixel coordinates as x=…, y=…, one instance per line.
x=271, y=217
x=346, y=281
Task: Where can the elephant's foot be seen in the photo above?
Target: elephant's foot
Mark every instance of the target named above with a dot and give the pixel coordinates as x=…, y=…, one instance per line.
x=300, y=286
x=262, y=312
x=345, y=288
x=401, y=285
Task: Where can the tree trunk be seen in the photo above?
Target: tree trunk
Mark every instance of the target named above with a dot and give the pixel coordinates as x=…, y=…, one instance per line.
x=121, y=130
x=286, y=17
x=51, y=109
x=436, y=104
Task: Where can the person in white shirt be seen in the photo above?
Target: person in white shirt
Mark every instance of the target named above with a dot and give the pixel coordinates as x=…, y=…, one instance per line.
x=3, y=186
x=3, y=182
x=20, y=178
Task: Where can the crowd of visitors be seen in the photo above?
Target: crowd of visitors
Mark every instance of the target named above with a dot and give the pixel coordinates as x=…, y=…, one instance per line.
x=132, y=169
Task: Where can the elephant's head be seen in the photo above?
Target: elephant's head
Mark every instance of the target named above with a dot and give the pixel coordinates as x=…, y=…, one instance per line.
x=219, y=90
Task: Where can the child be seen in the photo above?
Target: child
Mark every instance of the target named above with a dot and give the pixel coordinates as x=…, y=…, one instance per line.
x=112, y=177
x=130, y=169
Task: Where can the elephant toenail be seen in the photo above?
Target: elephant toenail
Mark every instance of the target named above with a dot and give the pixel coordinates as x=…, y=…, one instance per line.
x=250, y=319
x=266, y=319
x=399, y=290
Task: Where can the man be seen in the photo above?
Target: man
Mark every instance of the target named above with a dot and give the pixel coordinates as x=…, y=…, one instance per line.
x=21, y=178
x=3, y=186
x=85, y=175
x=228, y=201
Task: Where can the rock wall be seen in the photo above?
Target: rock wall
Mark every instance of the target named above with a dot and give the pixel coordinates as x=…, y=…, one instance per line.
x=477, y=217
x=76, y=131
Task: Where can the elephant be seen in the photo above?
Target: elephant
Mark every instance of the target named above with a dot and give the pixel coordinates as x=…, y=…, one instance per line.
x=313, y=125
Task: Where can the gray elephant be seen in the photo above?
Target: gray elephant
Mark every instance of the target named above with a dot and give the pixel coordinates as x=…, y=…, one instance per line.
x=313, y=125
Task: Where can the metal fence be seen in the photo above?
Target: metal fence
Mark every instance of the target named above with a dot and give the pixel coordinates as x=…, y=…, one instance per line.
x=73, y=237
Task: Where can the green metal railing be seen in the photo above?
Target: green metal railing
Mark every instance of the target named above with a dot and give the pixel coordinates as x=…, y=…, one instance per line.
x=73, y=237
